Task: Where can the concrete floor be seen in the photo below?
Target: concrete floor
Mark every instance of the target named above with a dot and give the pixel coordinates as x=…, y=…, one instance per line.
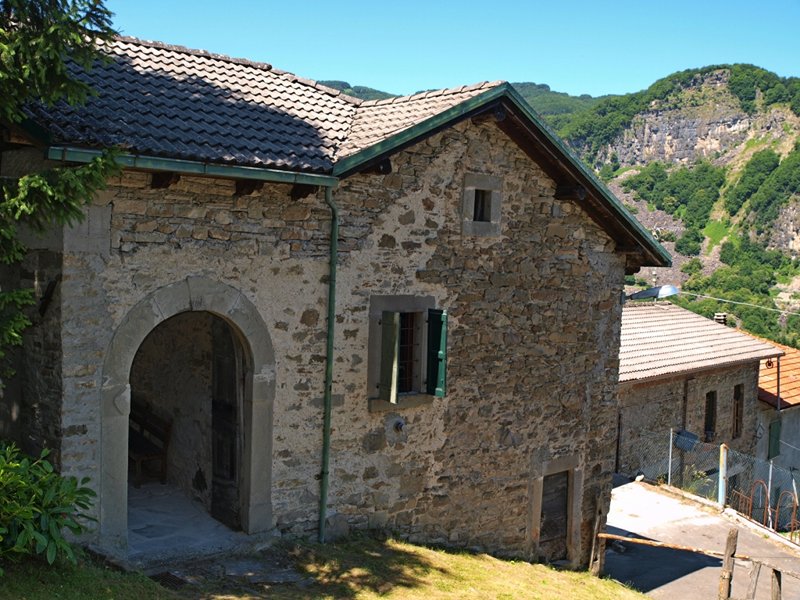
x=165, y=525
x=649, y=512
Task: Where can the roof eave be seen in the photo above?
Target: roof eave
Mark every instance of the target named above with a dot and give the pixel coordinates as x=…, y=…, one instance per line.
x=657, y=254
x=683, y=372
x=191, y=167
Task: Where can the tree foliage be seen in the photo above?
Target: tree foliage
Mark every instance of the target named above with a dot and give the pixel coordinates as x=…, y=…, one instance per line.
x=754, y=174
x=780, y=185
x=44, y=46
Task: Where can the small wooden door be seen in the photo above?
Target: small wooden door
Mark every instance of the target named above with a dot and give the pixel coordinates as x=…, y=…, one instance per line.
x=226, y=402
x=555, y=515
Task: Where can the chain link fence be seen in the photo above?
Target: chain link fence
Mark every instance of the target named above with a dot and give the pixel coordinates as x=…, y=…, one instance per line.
x=754, y=487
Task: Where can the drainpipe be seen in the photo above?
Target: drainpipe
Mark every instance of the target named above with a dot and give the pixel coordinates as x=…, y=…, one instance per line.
x=778, y=386
x=326, y=419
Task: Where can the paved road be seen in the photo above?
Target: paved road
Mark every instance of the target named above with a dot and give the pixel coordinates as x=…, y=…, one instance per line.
x=646, y=511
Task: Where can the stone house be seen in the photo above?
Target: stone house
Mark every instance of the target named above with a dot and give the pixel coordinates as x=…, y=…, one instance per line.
x=779, y=409
x=464, y=390
x=682, y=371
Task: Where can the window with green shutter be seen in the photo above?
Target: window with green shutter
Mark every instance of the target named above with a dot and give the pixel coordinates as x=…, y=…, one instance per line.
x=412, y=354
x=437, y=353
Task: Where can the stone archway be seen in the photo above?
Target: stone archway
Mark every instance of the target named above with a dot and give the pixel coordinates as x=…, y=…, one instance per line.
x=191, y=294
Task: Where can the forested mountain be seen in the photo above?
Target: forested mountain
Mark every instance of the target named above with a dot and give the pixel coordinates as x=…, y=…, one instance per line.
x=709, y=160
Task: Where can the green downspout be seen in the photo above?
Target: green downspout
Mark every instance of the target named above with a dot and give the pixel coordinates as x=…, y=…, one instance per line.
x=326, y=419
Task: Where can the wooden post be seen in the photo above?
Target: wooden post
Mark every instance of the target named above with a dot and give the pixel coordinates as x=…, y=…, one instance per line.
x=595, y=531
x=600, y=562
x=776, y=585
x=726, y=577
x=751, y=588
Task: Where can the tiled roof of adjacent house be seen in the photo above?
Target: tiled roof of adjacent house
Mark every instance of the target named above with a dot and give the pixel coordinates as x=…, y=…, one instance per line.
x=660, y=339
x=789, y=378
x=169, y=101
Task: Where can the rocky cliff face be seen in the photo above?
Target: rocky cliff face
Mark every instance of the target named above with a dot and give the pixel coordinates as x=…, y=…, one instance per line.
x=703, y=121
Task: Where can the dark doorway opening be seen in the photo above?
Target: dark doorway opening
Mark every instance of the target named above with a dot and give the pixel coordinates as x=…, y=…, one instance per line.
x=188, y=372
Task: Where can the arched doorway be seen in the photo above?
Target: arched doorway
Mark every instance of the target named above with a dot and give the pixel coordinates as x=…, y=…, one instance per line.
x=257, y=389
x=187, y=381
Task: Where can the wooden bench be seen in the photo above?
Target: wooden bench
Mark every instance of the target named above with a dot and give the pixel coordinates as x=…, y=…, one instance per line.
x=148, y=440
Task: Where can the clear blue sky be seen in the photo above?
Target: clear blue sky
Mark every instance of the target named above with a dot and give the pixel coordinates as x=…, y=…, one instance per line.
x=574, y=46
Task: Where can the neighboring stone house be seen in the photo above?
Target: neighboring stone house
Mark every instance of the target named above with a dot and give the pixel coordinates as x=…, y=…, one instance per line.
x=473, y=358
x=682, y=371
x=779, y=420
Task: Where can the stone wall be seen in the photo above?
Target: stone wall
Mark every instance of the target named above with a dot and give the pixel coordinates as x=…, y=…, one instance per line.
x=533, y=336
x=30, y=402
x=789, y=457
x=648, y=410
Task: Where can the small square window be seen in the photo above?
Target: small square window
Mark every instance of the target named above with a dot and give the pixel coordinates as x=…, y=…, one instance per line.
x=481, y=205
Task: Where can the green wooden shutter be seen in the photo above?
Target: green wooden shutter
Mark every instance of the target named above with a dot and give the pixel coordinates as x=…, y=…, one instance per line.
x=437, y=353
x=390, y=342
x=774, y=439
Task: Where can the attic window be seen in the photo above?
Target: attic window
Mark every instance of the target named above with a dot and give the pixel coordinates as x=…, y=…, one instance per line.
x=481, y=205
x=482, y=208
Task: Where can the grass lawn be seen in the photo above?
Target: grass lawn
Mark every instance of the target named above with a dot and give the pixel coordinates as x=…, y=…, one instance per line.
x=360, y=568
x=716, y=231
x=87, y=581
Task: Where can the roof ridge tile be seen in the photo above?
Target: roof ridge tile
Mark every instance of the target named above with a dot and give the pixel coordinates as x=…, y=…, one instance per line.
x=433, y=93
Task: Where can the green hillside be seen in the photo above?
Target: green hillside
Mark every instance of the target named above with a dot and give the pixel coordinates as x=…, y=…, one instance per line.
x=601, y=123
x=556, y=107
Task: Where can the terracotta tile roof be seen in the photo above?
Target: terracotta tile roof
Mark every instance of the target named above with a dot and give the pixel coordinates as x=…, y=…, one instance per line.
x=659, y=338
x=170, y=101
x=377, y=120
x=790, y=377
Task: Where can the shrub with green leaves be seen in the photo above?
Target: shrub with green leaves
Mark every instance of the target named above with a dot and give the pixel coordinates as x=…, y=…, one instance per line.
x=37, y=505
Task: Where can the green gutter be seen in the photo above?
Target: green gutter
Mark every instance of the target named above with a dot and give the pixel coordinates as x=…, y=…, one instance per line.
x=191, y=167
x=326, y=415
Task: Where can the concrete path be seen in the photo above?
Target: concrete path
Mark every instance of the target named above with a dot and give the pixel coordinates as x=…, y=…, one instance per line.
x=642, y=510
x=165, y=525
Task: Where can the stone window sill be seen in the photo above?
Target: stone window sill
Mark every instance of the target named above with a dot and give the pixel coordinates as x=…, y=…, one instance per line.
x=406, y=401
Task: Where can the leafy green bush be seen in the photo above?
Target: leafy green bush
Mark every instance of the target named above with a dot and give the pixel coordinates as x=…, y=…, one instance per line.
x=692, y=266
x=36, y=505
x=689, y=243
